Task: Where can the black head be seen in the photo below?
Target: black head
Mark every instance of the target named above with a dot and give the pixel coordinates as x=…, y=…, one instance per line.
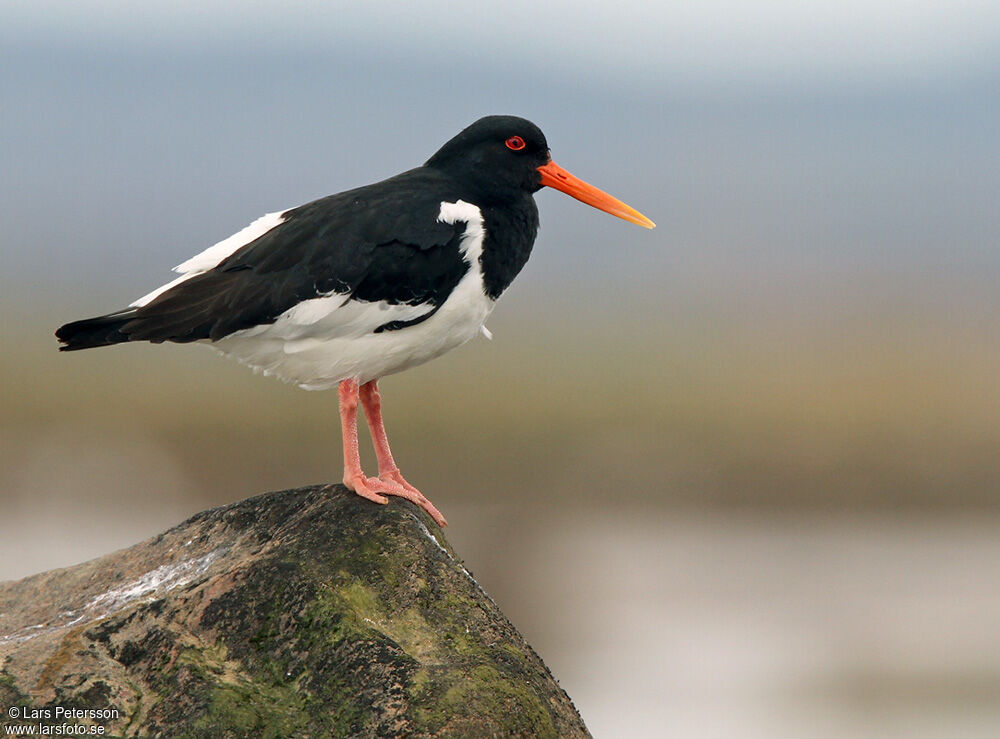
x=501, y=158
x=496, y=158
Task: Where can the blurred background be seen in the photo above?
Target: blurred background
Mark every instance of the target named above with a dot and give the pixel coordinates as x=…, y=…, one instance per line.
x=734, y=477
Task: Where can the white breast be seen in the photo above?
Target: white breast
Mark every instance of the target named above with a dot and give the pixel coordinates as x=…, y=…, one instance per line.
x=322, y=341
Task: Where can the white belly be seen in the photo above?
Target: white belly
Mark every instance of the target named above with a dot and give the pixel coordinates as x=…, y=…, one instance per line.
x=317, y=363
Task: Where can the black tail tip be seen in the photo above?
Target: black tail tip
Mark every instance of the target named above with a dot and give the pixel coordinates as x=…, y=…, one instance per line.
x=94, y=332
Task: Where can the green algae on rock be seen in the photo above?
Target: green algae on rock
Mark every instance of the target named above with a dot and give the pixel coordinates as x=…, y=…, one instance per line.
x=303, y=613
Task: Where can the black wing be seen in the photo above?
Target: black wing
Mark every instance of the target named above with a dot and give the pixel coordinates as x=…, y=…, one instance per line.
x=380, y=242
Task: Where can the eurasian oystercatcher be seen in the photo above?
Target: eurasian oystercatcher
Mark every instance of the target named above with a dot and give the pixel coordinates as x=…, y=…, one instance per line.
x=355, y=286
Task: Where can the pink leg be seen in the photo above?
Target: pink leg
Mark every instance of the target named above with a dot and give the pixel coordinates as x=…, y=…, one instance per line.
x=354, y=478
x=388, y=472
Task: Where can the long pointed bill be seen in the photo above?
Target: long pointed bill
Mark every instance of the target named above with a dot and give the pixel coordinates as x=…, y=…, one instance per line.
x=558, y=178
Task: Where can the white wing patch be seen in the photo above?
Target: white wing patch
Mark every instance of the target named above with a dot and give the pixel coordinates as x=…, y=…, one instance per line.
x=214, y=254
x=149, y=297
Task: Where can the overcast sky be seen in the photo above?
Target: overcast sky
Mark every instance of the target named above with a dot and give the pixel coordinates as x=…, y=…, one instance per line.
x=631, y=40
x=776, y=138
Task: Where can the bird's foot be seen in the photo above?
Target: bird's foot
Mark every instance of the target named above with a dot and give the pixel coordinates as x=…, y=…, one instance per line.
x=368, y=487
x=392, y=483
x=403, y=489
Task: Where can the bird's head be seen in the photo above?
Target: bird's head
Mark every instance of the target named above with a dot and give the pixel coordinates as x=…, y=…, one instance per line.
x=502, y=157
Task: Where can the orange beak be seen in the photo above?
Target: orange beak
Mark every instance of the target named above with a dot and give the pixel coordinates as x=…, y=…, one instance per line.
x=556, y=177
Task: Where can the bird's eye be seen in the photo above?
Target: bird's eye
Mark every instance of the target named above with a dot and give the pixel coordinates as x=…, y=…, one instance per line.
x=515, y=143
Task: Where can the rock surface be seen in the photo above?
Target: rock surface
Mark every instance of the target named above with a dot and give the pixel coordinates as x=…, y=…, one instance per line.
x=303, y=613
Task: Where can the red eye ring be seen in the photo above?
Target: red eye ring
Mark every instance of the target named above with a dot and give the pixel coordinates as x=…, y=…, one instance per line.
x=515, y=143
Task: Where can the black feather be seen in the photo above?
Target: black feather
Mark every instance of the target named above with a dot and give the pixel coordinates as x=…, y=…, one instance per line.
x=92, y=332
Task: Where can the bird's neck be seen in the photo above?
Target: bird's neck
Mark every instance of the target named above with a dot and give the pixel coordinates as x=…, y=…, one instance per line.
x=510, y=234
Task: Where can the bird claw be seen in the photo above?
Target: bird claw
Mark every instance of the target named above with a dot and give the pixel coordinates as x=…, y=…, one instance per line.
x=369, y=488
x=401, y=488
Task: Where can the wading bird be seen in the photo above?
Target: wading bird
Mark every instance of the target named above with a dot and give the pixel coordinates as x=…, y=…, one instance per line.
x=355, y=286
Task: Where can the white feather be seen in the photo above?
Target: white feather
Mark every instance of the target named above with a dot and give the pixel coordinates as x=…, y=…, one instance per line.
x=149, y=297
x=214, y=254
x=209, y=258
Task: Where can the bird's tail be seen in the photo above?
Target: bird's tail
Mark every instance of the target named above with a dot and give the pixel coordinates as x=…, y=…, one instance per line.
x=91, y=332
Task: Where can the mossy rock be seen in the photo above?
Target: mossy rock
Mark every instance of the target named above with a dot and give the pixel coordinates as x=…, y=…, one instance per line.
x=303, y=613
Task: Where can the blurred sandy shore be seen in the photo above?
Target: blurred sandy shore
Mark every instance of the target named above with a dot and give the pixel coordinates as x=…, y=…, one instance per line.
x=706, y=530
x=878, y=411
